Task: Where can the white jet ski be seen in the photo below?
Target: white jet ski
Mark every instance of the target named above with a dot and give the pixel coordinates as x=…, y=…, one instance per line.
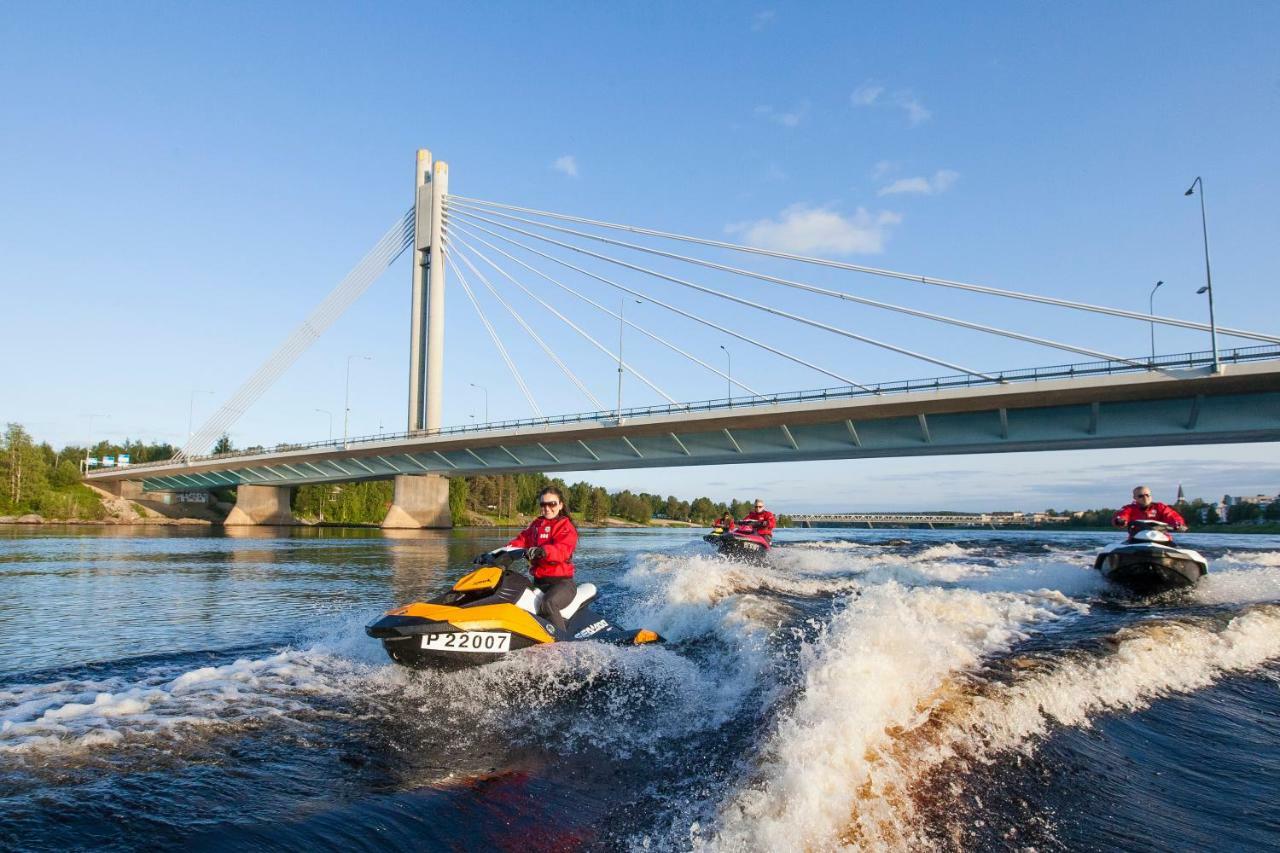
x=1148, y=561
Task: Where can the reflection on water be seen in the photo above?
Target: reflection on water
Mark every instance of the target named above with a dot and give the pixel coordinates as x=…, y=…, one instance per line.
x=879, y=689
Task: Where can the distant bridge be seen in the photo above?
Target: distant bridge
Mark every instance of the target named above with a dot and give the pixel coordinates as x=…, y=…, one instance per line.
x=893, y=519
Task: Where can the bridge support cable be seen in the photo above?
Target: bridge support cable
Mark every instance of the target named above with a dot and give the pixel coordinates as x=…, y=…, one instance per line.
x=614, y=314
x=480, y=204
x=777, y=312
x=835, y=294
x=528, y=329
x=624, y=289
x=497, y=341
x=612, y=355
x=371, y=266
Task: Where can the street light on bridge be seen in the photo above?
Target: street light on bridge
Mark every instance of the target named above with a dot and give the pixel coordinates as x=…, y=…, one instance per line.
x=728, y=379
x=191, y=409
x=486, y=399
x=346, y=406
x=622, y=304
x=1208, y=279
x=1151, y=310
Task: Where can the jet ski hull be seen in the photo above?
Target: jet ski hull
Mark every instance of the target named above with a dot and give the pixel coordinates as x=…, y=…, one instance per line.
x=1149, y=568
x=483, y=624
x=739, y=545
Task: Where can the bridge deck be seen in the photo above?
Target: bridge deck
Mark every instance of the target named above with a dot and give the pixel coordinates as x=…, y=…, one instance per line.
x=1192, y=406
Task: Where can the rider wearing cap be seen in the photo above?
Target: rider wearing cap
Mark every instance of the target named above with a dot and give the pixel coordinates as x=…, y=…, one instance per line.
x=764, y=520
x=1144, y=509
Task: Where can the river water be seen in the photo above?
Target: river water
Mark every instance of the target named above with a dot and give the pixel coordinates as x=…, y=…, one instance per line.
x=959, y=690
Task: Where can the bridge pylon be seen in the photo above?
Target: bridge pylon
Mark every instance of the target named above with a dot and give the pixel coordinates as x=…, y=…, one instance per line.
x=422, y=500
x=426, y=315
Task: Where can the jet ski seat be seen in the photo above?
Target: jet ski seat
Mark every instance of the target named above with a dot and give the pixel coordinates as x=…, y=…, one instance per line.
x=585, y=594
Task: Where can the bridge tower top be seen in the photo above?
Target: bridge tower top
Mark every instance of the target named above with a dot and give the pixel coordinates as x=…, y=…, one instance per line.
x=426, y=316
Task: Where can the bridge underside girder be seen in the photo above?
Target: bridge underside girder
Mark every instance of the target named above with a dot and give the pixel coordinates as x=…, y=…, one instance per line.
x=780, y=437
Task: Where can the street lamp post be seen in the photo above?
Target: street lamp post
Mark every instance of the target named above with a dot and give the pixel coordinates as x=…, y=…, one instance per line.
x=622, y=304
x=1208, y=278
x=486, y=400
x=191, y=409
x=1151, y=311
x=728, y=379
x=88, y=445
x=330, y=414
x=346, y=395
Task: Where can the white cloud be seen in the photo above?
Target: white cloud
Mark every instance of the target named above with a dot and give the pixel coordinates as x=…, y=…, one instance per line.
x=786, y=118
x=819, y=230
x=866, y=94
x=942, y=180
x=566, y=164
x=916, y=112
x=882, y=168
x=762, y=19
x=870, y=94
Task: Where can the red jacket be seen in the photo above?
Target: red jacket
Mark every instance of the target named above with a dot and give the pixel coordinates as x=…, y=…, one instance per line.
x=1156, y=511
x=558, y=537
x=768, y=521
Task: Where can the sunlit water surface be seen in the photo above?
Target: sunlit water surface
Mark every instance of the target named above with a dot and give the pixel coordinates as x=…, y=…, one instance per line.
x=880, y=690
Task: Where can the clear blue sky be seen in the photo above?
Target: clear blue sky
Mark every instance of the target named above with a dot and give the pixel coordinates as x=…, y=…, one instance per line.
x=182, y=183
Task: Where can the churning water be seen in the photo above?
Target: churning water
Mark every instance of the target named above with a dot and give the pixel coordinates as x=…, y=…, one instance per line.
x=880, y=690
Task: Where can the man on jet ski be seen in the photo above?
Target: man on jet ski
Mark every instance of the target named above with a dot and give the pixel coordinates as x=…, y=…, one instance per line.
x=1143, y=508
x=548, y=545
x=763, y=520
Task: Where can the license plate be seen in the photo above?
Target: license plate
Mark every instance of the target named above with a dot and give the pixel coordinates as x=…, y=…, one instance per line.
x=468, y=641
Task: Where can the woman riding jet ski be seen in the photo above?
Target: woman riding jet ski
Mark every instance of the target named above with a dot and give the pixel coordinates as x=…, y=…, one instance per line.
x=751, y=538
x=494, y=611
x=1148, y=561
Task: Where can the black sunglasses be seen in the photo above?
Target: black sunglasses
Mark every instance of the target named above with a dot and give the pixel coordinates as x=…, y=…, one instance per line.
x=551, y=503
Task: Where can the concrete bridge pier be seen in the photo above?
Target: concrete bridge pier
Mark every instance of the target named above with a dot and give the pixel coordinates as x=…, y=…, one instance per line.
x=421, y=500
x=261, y=505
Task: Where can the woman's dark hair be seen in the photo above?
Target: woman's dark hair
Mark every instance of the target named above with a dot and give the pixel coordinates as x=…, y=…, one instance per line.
x=564, y=507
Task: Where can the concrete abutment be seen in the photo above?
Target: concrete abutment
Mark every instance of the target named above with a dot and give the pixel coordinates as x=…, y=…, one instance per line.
x=421, y=500
x=265, y=505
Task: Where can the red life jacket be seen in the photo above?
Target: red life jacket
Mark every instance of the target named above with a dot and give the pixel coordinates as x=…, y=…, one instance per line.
x=557, y=537
x=769, y=520
x=1156, y=511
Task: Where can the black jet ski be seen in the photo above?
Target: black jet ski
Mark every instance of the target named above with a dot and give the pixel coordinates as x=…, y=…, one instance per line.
x=1148, y=561
x=741, y=540
x=489, y=613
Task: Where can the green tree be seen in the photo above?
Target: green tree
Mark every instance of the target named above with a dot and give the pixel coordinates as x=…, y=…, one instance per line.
x=459, y=491
x=24, y=470
x=598, y=505
x=223, y=445
x=702, y=511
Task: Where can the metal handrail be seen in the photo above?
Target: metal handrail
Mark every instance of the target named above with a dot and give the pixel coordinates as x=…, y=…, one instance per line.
x=1029, y=374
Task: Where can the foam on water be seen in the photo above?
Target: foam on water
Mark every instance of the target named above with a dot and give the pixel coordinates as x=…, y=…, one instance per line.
x=880, y=713
x=880, y=668
x=70, y=715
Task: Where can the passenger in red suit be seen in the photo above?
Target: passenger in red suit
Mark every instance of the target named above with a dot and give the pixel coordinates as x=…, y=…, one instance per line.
x=1144, y=508
x=764, y=521
x=548, y=545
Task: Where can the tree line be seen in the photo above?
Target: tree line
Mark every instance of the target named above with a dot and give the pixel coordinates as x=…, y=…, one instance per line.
x=513, y=497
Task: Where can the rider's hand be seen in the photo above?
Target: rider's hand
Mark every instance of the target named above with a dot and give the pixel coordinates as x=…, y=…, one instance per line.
x=1182, y=528
x=483, y=559
x=534, y=553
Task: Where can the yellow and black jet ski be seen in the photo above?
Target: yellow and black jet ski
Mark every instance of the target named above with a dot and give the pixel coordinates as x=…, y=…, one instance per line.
x=489, y=613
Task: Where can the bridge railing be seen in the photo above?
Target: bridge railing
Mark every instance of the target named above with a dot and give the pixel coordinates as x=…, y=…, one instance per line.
x=1032, y=374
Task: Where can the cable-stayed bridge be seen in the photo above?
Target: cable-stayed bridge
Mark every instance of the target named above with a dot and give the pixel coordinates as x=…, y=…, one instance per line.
x=548, y=259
